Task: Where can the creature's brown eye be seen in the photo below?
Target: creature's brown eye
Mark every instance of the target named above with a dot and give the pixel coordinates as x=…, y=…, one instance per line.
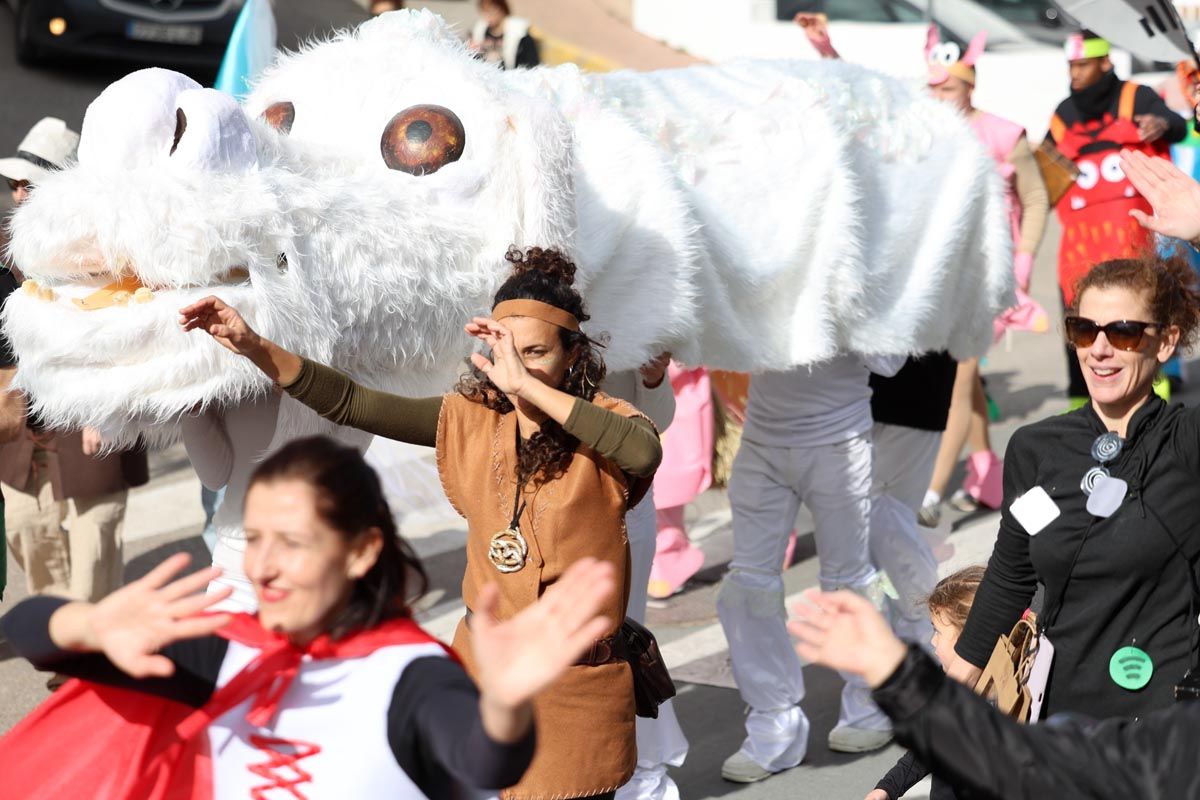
x=420, y=140
x=280, y=116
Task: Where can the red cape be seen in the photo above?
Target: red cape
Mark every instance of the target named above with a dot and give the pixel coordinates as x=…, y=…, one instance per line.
x=104, y=743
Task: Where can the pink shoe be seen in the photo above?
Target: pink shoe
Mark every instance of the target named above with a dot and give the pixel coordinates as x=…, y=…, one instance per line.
x=985, y=478
x=675, y=561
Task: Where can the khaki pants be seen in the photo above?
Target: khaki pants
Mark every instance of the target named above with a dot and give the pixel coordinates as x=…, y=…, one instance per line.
x=83, y=562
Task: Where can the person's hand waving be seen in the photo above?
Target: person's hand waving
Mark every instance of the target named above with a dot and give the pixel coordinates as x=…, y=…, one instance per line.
x=505, y=368
x=131, y=625
x=518, y=658
x=654, y=372
x=844, y=631
x=223, y=323
x=1173, y=194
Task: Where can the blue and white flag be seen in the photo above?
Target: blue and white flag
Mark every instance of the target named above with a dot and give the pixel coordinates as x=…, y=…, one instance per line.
x=251, y=49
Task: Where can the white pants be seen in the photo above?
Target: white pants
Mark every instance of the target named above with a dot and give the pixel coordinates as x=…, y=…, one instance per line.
x=904, y=459
x=660, y=742
x=766, y=488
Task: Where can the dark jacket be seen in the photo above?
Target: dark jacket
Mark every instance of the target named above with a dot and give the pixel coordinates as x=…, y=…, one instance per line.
x=918, y=396
x=1131, y=584
x=908, y=772
x=983, y=754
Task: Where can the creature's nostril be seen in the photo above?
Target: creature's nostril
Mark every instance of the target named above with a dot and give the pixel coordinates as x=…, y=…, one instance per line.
x=280, y=116
x=180, y=127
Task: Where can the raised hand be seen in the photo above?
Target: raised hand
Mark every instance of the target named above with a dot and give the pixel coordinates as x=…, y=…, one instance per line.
x=816, y=28
x=92, y=442
x=1150, y=127
x=654, y=371
x=223, y=323
x=131, y=625
x=505, y=369
x=521, y=656
x=844, y=631
x=1173, y=194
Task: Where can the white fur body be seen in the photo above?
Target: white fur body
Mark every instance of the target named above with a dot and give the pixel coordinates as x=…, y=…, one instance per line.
x=750, y=216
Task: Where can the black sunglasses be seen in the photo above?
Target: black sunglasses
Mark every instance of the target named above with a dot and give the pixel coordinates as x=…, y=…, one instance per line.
x=1123, y=334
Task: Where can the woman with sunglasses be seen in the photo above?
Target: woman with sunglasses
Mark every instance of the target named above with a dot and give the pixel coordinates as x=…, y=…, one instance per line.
x=1100, y=508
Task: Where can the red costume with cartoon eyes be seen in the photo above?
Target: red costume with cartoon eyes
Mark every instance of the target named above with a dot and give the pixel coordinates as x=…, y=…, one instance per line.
x=1095, y=210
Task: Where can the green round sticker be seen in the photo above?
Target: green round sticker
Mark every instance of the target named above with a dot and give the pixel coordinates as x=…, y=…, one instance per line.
x=1130, y=668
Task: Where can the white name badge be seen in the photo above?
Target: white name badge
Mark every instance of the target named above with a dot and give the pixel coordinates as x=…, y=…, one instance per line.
x=1107, y=496
x=1034, y=510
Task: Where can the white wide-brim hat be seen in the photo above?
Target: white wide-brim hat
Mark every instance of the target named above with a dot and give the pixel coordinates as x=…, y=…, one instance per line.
x=48, y=146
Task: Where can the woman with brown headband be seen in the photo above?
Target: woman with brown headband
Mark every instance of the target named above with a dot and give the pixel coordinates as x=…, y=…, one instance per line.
x=543, y=467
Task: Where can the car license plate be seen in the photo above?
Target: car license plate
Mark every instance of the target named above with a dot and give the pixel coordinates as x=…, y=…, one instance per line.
x=166, y=34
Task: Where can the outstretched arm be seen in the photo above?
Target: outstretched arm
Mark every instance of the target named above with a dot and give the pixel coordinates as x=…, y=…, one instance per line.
x=225, y=324
x=328, y=392
x=968, y=743
x=142, y=637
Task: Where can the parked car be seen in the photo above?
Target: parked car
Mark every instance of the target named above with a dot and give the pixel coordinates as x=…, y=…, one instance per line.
x=186, y=33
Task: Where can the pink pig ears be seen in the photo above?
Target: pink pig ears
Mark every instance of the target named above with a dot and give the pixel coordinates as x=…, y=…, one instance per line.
x=932, y=39
x=975, y=49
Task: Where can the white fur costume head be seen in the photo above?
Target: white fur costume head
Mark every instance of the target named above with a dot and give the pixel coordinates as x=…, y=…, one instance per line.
x=751, y=216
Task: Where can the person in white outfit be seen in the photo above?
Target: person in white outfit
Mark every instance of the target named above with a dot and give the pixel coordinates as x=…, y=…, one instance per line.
x=660, y=742
x=224, y=446
x=807, y=439
x=910, y=411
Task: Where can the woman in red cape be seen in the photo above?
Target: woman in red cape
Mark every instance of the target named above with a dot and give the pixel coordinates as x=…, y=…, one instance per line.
x=331, y=690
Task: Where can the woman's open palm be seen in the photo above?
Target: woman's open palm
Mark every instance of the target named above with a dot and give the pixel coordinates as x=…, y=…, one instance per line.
x=133, y=623
x=220, y=321
x=518, y=658
x=844, y=631
x=1172, y=193
x=504, y=369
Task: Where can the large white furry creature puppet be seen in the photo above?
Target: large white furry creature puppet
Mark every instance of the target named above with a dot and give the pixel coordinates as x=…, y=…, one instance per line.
x=749, y=216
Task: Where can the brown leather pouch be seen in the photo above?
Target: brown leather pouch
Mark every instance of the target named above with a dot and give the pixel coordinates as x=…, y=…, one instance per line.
x=1058, y=171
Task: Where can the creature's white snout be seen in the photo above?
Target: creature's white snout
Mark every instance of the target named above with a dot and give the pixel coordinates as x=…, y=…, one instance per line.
x=155, y=117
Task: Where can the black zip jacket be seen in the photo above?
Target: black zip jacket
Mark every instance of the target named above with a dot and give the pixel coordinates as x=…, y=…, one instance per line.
x=985, y=755
x=1130, y=585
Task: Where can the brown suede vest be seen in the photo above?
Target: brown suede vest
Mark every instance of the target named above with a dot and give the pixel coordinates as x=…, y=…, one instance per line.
x=585, y=721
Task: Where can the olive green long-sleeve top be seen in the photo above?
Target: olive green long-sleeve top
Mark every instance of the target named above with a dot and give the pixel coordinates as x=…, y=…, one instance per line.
x=629, y=442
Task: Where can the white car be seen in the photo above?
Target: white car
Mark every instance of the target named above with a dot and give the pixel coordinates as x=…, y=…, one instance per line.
x=1019, y=78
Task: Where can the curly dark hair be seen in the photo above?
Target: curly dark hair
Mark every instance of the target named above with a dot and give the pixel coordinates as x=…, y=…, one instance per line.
x=1168, y=283
x=548, y=276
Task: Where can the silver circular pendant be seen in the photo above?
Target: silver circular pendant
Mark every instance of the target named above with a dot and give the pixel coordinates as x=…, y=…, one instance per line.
x=1107, y=447
x=508, y=550
x=1088, y=484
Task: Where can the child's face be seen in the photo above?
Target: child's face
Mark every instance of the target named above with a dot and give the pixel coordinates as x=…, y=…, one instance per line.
x=945, y=636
